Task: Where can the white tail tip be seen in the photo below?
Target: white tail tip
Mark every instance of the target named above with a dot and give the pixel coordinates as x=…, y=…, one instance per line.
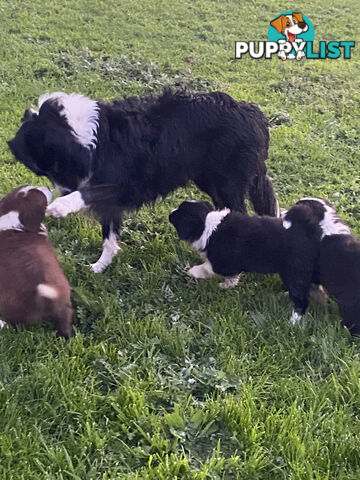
x=47, y=291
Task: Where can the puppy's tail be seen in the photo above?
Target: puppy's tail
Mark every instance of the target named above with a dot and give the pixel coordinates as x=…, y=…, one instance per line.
x=262, y=196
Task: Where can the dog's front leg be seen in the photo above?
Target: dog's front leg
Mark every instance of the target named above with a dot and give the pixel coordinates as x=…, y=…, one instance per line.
x=110, y=232
x=299, y=294
x=62, y=206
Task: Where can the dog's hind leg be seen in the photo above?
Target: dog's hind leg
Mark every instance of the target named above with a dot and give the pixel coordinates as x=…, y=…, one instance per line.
x=262, y=196
x=110, y=232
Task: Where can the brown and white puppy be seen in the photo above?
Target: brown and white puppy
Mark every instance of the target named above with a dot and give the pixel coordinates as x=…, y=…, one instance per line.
x=32, y=285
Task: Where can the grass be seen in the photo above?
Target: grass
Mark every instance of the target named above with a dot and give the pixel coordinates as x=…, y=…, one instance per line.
x=167, y=377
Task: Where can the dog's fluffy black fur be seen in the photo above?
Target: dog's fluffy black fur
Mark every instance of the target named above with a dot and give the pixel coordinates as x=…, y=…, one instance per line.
x=235, y=243
x=338, y=265
x=123, y=154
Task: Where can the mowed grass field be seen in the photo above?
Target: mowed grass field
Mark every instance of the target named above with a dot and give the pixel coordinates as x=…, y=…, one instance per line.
x=169, y=378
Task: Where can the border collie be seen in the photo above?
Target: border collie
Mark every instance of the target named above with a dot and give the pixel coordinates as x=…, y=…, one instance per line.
x=113, y=157
x=32, y=285
x=338, y=266
x=234, y=243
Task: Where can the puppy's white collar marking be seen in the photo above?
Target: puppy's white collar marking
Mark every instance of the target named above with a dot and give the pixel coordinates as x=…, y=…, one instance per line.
x=332, y=225
x=213, y=220
x=11, y=221
x=81, y=113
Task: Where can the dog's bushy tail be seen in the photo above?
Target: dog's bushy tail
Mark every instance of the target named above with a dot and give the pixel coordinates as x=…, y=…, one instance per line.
x=262, y=196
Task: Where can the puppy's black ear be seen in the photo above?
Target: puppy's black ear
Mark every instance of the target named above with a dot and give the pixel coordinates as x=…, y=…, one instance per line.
x=301, y=215
x=29, y=114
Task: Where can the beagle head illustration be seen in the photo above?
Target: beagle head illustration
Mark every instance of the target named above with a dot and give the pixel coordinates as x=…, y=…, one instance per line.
x=290, y=25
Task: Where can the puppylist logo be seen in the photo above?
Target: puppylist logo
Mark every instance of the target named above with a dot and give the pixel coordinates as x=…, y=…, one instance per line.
x=291, y=36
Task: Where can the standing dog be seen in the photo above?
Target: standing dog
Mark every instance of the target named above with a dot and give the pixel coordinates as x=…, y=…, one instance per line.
x=32, y=284
x=117, y=156
x=233, y=243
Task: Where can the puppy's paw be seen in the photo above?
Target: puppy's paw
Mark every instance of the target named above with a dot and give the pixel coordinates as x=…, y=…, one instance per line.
x=318, y=294
x=230, y=282
x=295, y=318
x=97, y=267
x=201, y=271
x=2, y=324
x=196, y=272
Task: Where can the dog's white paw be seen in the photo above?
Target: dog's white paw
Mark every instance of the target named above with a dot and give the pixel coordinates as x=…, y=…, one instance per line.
x=230, y=282
x=201, y=271
x=295, y=318
x=62, y=206
x=196, y=272
x=97, y=267
x=2, y=324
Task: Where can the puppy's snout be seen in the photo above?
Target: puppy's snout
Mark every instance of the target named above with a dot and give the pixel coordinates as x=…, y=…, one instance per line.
x=46, y=191
x=302, y=25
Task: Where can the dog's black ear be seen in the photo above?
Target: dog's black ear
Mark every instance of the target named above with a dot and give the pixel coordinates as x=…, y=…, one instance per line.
x=29, y=114
x=301, y=215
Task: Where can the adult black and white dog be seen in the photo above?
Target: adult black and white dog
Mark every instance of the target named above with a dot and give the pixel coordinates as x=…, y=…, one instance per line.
x=234, y=243
x=117, y=156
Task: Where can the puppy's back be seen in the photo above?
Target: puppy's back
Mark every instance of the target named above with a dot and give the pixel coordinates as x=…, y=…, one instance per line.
x=339, y=264
x=32, y=284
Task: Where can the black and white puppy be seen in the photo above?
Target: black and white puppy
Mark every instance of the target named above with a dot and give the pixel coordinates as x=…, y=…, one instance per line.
x=233, y=243
x=338, y=266
x=118, y=156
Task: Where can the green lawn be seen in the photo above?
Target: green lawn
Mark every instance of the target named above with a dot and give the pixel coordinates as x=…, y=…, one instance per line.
x=168, y=377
